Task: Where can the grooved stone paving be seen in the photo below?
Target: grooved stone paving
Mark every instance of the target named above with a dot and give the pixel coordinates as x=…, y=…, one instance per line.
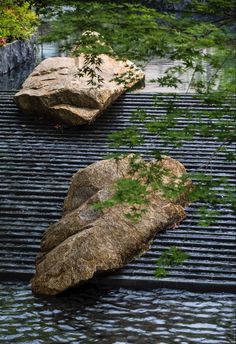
x=37, y=162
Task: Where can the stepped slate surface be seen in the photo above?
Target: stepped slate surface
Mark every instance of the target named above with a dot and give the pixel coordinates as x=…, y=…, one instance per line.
x=37, y=162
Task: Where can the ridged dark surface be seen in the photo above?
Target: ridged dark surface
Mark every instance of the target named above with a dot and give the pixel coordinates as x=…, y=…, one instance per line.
x=37, y=161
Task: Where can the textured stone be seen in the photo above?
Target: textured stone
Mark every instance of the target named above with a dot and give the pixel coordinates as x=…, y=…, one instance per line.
x=87, y=242
x=55, y=89
x=16, y=53
x=86, y=182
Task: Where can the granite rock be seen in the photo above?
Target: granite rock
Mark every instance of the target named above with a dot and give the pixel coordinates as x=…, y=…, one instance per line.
x=56, y=89
x=87, y=242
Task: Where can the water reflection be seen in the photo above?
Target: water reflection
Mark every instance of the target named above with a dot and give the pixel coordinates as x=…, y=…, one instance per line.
x=98, y=315
x=14, y=79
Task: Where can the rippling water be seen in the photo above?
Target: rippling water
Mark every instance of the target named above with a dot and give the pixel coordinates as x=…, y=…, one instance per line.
x=98, y=315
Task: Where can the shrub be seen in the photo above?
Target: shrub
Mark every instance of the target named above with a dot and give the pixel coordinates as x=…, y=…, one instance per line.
x=18, y=21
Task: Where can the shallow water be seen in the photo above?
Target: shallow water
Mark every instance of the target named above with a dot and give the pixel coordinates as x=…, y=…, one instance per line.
x=98, y=315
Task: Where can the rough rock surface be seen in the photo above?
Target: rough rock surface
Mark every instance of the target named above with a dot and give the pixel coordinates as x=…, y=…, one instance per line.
x=16, y=53
x=86, y=182
x=56, y=90
x=86, y=242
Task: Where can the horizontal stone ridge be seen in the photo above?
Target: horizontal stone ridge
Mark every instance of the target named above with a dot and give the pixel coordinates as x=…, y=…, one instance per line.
x=37, y=161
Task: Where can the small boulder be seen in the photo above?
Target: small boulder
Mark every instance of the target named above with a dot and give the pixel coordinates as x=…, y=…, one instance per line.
x=56, y=89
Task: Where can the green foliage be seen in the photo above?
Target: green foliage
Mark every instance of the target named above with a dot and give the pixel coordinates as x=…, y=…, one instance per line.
x=207, y=216
x=130, y=192
x=18, y=21
x=130, y=137
x=169, y=258
x=134, y=31
x=139, y=115
x=144, y=178
x=128, y=28
x=91, y=69
x=199, y=39
x=210, y=124
x=92, y=45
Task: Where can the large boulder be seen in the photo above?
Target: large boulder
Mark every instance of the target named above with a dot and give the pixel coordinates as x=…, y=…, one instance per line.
x=56, y=89
x=87, y=242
